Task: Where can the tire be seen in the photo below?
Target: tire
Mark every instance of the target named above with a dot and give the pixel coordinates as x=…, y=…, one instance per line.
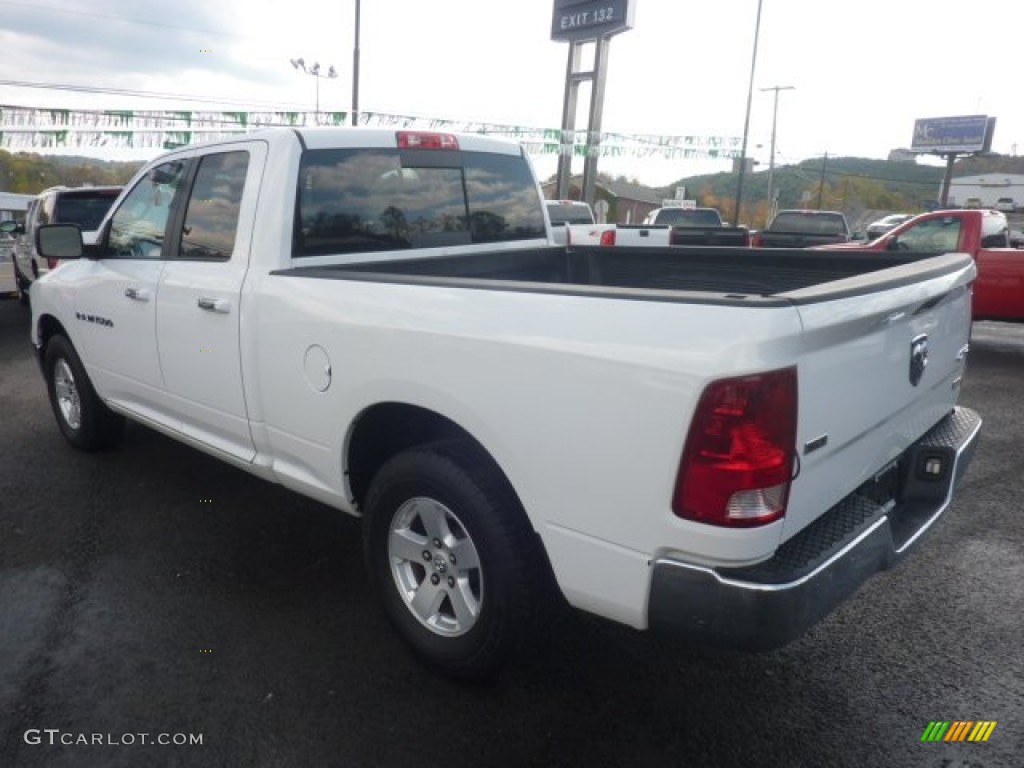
x=454, y=560
x=82, y=417
x=21, y=283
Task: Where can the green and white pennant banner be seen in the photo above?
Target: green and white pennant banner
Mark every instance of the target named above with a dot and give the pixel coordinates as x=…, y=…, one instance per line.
x=39, y=128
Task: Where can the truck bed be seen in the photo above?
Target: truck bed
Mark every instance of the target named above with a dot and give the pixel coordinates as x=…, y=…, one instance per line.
x=781, y=239
x=707, y=274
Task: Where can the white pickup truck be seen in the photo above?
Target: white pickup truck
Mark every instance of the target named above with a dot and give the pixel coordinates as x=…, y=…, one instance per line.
x=662, y=227
x=723, y=443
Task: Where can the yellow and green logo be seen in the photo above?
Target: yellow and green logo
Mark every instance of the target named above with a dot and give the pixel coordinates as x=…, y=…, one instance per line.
x=958, y=730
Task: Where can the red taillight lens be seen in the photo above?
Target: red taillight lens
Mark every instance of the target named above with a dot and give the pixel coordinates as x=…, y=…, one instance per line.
x=52, y=263
x=608, y=237
x=738, y=460
x=426, y=140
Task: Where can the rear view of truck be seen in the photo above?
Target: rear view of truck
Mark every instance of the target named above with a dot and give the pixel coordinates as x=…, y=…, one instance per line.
x=765, y=430
x=803, y=229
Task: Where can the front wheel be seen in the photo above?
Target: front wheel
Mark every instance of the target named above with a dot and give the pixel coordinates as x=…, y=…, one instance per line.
x=83, y=419
x=454, y=559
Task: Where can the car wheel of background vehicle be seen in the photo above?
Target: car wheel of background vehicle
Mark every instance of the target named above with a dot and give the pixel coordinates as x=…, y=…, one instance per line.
x=21, y=283
x=82, y=417
x=454, y=559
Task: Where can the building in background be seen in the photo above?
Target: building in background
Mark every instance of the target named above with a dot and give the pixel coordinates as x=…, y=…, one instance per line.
x=989, y=188
x=627, y=203
x=13, y=206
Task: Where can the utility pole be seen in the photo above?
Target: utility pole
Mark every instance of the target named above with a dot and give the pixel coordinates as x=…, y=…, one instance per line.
x=746, y=122
x=355, y=71
x=771, y=158
x=821, y=184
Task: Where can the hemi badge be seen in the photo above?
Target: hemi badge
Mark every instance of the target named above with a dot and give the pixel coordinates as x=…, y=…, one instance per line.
x=812, y=445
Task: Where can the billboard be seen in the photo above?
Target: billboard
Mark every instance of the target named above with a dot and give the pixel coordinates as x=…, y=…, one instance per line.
x=579, y=20
x=965, y=133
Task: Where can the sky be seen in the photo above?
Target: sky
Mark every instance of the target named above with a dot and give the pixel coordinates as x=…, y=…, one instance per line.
x=861, y=72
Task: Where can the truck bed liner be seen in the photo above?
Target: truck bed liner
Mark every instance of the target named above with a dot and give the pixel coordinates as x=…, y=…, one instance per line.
x=738, y=273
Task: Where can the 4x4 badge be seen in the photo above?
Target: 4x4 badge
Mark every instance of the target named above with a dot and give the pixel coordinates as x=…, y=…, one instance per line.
x=918, y=358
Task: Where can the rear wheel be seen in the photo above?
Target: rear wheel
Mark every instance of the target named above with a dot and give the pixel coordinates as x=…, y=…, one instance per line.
x=82, y=417
x=454, y=559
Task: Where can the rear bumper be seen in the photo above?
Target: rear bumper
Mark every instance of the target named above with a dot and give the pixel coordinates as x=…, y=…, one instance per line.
x=772, y=603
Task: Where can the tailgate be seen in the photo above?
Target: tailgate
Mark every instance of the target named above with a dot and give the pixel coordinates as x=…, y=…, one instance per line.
x=876, y=370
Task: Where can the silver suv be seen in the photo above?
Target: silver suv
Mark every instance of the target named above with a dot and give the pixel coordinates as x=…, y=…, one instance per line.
x=84, y=206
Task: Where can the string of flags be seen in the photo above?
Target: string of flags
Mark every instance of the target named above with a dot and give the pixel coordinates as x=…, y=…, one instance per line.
x=40, y=128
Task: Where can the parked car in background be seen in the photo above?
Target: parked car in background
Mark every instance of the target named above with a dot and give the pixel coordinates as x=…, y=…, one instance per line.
x=1006, y=205
x=84, y=206
x=881, y=226
x=973, y=202
x=562, y=212
x=998, y=290
x=7, y=243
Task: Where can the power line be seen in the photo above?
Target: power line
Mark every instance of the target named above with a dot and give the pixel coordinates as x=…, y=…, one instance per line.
x=129, y=19
x=146, y=94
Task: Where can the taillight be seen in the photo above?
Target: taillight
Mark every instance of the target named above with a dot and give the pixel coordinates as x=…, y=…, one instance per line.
x=52, y=263
x=755, y=240
x=608, y=237
x=426, y=140
x=738, y=460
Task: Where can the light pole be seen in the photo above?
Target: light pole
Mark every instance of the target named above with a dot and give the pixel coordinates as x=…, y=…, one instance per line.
x=314, y=70
x=771, y=159
x=746, y=122
x=355, y=72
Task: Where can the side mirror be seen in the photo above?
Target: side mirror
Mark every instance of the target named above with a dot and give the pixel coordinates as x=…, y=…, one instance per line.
x=59, y=241
x=893, y=244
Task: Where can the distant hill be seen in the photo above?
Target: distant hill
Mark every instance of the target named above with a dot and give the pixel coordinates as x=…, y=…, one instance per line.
x=29, y=173
x=857, y=186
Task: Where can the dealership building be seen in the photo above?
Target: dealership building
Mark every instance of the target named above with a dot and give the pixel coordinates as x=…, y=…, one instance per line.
x=987, y=187
x=13, y=206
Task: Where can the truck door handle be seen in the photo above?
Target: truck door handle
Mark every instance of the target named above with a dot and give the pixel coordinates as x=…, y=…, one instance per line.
x=223, y=306
x=138, y=294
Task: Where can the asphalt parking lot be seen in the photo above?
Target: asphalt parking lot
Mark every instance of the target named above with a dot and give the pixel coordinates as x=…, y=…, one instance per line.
x=157, y=591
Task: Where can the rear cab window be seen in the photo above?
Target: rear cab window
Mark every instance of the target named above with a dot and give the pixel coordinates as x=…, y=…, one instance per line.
x=382, y=199
x=569, y=213
x=689, y=217
x=810, y=222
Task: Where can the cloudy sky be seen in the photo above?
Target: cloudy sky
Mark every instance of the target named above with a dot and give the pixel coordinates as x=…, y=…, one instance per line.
x=862, y=71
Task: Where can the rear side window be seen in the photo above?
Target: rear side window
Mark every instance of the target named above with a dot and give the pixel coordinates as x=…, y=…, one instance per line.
x=995, y=232
x=352, y=200
x=211, y=219
x=85, y=208
x=810, y=223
